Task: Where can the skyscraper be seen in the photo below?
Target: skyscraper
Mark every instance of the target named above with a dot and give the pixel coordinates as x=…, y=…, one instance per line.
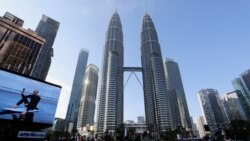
x=175, y=113
x=87, y=104
x=232, y=107
x=156, y=97
x=245, y=78
x=174, y=81
x=76, y=91
x=157, y=104
x=200, y=122
x=19, y=47
x=140, y=119
x=242, y=95
x=110, y=109
x=194, y=128
x=47, y=28
x=15, y=20
x=211, y=108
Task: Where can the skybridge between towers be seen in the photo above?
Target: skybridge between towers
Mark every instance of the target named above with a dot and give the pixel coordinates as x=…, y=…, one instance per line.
x=133, y=70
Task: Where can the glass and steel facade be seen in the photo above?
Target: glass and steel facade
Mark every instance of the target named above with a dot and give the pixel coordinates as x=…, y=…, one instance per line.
x=47, y=28
x=157, y=104
x=15, y=20
x=19, y=47
x=77, y=88
x=212, y=109
x=174, y=82
x=140, y=120
x=200, y=122
x=242, y=96
x=175, y=113
x=232, y=107
x=87, y=104
x=245, y=78
x=110, y=95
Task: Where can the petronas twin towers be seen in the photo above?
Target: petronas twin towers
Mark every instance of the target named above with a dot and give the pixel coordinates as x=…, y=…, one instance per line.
x=157, y=104
x=110, y=110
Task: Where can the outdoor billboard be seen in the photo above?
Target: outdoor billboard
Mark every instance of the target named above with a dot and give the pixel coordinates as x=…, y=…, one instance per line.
x=27, y=100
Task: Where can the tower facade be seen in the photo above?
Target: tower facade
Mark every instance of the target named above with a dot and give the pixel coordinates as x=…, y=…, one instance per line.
x=242, y=94
x=47, y=28
x=15, y=20
x=140, y=120
x=110, y=109
x=174, y=82
x=19, y=47
x=157, y=99
x=200, y=122
x=194, y=127
x=232, y=107
x=175, y=113
x=87, y=104
x=76, y=91
x=245, y=78
x=157, y=104
x=211, y=108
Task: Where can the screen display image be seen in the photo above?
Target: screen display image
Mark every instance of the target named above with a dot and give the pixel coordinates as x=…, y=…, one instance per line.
x=27, y=100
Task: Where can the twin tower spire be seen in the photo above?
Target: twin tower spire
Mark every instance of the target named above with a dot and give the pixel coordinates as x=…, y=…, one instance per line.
x=110, y=96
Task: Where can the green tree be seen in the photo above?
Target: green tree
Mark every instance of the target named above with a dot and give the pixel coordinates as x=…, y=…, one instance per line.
x=120, y=132
x=54, y=135
x=239, y=130
x=170, y=134
x=131, y=132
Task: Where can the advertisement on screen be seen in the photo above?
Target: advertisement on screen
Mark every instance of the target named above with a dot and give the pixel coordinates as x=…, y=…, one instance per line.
x=27, y=100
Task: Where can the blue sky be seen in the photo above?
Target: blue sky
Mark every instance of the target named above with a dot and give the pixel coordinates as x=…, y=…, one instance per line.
x=17, y=83
x=210, y=40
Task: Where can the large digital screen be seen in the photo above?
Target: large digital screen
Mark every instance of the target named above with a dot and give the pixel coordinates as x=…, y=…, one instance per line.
x=23, y=99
